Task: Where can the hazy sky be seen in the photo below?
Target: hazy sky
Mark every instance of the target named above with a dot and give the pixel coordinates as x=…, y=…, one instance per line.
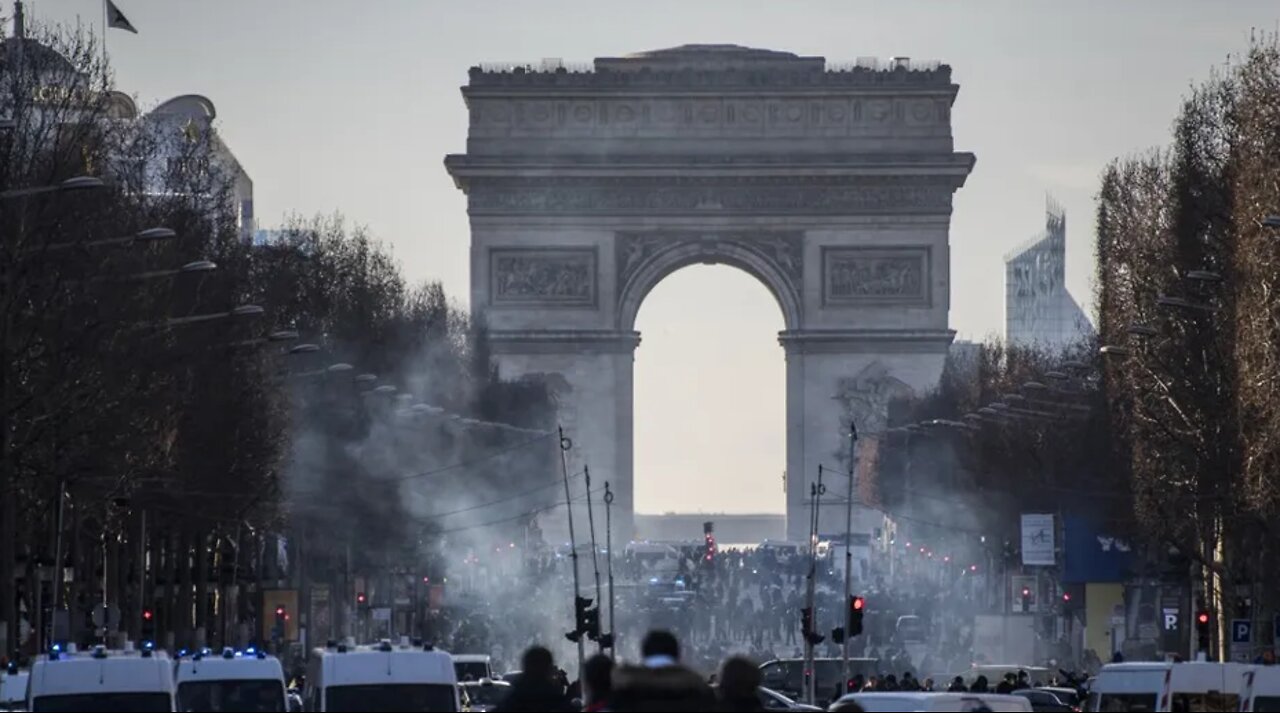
x=346, y=105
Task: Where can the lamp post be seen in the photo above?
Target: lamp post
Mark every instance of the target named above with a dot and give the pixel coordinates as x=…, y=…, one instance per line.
x=848, y=553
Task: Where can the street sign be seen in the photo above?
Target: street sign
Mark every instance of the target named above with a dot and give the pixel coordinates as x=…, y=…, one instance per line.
x=1170, y=619
x=1037, y=539
x=1241, y=631
x=381, y=613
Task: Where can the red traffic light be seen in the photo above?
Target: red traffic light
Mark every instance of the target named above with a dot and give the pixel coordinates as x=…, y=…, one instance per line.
x=147, y=614
x=1202, y=617
x=1066, y=596
x=360, y=598
x=1026, y=592
x=859, y=603
x=280, y=611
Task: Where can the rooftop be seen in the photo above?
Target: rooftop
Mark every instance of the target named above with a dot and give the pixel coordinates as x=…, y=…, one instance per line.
x=712, y=65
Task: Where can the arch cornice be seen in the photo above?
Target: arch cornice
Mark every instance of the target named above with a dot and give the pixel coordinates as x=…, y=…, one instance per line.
x=776, y=258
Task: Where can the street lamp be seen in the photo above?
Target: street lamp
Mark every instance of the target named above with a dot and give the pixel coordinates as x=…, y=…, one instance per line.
x=157, y=233
x=199, y=266
x=366, y=378
x=305, y=349
x=78, y=183
x=339, y=367
x=283, y=335
x=247, y=311
x=1142, y=330
x=1114, y=351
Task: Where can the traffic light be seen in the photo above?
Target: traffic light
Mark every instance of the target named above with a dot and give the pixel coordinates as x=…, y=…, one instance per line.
x=709, y=543
x=806, y=625
x=277, y=632
x=1026, y=599
x=362, y=601
x=1202, y=630
x=148, y=623
x=586, y=620
x=857, y=607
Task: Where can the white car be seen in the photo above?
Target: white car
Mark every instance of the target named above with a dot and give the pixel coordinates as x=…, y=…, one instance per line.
x=101, y=680
x=483, y=695
x=909, y=701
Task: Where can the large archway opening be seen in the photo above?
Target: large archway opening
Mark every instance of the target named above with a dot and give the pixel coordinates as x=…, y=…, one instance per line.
x=710, y=396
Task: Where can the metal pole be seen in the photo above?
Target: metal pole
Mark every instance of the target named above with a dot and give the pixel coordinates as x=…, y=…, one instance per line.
x=142, y=571
x=57, y=559
x=591, y=526
x=565, y=445
x=608, y=545
x=848, y=554
x=817, y=490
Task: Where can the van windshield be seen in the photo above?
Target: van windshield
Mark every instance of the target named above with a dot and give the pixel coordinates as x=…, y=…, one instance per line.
x=471, y=670
x=104, y=702
x=1123, y=702
x=231, y=695
x=391, y=697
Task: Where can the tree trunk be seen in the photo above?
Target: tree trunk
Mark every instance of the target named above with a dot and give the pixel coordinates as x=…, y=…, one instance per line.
x=202, y=586
x=183, y=621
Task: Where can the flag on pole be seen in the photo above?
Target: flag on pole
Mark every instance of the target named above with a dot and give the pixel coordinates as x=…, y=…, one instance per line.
x=116, y=19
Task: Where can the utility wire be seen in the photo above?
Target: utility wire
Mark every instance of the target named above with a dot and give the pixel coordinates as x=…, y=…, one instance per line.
x=550, y=484
x=522, y=515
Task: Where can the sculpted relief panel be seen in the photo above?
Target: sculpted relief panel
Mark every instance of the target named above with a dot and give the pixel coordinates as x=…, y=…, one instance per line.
x=865, y=399
x=702, y=116
x=870, y=276
x=708, y=197
x=564, y=277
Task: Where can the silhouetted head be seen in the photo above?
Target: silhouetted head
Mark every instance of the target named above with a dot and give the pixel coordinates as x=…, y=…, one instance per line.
x=537, y=663
x=660, y=643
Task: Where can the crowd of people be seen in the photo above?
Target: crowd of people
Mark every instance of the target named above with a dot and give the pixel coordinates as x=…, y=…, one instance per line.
x=742, y=602
x=659, y=681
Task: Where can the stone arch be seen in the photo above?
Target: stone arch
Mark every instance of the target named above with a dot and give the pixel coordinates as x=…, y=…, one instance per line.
x=645, y=259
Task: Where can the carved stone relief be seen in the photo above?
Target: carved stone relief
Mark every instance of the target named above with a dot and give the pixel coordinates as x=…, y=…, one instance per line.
x=693, y=197
x=860, y=276
x=864, y=400
x=542, y=276
x=789, y=116
x=784, y=251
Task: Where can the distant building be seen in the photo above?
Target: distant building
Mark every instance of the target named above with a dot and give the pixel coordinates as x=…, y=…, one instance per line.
x=1038, y=308
x=177, y=122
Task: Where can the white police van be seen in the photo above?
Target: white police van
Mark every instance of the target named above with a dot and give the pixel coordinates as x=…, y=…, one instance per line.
x=472, y=667
x=13, y=688
x=101, y=680
x=231, y=681
x=381, y=677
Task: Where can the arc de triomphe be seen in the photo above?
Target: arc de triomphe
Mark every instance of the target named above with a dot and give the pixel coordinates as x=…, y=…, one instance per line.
x=832, y=186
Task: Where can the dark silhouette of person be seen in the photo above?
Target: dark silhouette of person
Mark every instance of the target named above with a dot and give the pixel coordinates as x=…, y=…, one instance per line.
x=597, y=683
x=660, y=683
x=739, y=681
x=537, y=688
